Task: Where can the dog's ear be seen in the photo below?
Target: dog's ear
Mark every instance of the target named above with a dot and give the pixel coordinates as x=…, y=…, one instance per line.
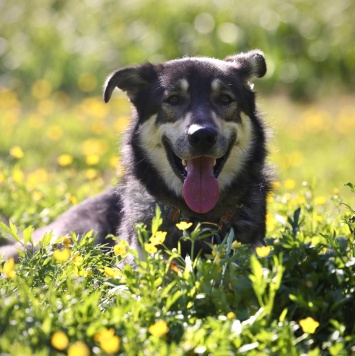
x=250, y=64
x=132, y=80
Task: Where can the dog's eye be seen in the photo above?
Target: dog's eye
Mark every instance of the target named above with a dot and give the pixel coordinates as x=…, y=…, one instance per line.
x=173, y=99
x=225, y=99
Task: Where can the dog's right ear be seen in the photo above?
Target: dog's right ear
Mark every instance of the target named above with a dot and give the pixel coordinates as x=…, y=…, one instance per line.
x=131, y=80
x=250, y=64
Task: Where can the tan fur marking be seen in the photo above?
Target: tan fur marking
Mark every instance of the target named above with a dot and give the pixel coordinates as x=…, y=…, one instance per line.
x=184, y=85
x=216, y=85
x=151, y=142
x=239, y=152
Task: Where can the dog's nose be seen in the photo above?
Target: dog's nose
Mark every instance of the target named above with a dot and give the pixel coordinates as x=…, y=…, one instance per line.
x=202, y=137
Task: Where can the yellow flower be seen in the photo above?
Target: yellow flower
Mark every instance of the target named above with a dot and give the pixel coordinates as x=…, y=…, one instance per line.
x=16, y=152
x=289, y=184
x=79, y=348
x=263, y=251
x=92, y=160
x=2, y=177
x=37, y=195
x=111, y=273
x=91, y=173
x=94, y=146
x=9, y=268
x=104, y=334
x=38, y=176
x=73, y=199
x=158, y=238
x=299, y=200
x=235, y=245
x=78, y=260
x=309, y=325
x=65, y=160
x=121, y=248
x=18, y=176
x=230, y=315
x=59, y=340
x=183, y=225
x=66, y=241
x=159, y=329
x=150, y=248
x=61, y=256
x=318, y=218
x=320, y=200
x=111, y=345
x=108, y=341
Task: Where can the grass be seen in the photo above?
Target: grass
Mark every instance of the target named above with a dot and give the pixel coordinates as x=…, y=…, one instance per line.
x=294, y=296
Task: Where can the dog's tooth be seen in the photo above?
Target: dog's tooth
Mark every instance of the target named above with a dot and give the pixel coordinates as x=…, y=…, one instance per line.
x=214, y=162
x=184, y=162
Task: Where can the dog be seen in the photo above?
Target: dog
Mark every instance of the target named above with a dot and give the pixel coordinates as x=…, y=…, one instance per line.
x=195, y=147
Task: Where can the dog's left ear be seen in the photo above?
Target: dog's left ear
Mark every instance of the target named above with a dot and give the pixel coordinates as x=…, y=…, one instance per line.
x=250, y=64
x=132, y=80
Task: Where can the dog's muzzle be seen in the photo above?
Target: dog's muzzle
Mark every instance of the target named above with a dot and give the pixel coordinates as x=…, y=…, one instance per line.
x=199, y=174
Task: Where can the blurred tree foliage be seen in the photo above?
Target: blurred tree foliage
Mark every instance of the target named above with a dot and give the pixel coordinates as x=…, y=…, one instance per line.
x=73, y=45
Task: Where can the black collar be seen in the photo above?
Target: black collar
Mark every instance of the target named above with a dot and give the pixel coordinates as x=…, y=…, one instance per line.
x=176, y=216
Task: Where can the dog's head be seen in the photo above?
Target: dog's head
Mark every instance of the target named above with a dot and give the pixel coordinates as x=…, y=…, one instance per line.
x=195, y=120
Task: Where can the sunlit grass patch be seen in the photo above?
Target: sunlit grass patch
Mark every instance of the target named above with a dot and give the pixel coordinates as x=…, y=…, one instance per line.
x=292, y=294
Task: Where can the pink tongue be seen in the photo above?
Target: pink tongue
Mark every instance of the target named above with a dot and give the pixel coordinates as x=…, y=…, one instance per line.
x=200, y=189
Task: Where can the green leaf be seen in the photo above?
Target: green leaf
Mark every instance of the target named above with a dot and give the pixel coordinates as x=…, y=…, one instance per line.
x=156, y=221
x=27, y=235
x=229, y=239
x=46, y=325
x=351, y=186
x=46, y=239
x=295, y=222
x=283, y=315
x=167, y=289
x=258, y=282
x=86, y=238
x=10, y=230
x=294, y=298
x=157, y=282
x=5, y=228
x=172, y=299
x=256, y=268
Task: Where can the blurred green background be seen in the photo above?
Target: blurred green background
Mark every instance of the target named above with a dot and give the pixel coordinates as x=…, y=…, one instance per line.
x=309, y=44
x=58, y=140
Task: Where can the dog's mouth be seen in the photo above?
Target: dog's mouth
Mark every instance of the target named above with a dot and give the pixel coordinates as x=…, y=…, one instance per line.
x=199, y=176
x=181, y=166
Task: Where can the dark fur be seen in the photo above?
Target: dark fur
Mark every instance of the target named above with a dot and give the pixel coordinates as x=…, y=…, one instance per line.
x=134, y=200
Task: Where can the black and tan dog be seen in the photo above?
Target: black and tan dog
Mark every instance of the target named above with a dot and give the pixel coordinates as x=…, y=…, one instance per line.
x=195, y=147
